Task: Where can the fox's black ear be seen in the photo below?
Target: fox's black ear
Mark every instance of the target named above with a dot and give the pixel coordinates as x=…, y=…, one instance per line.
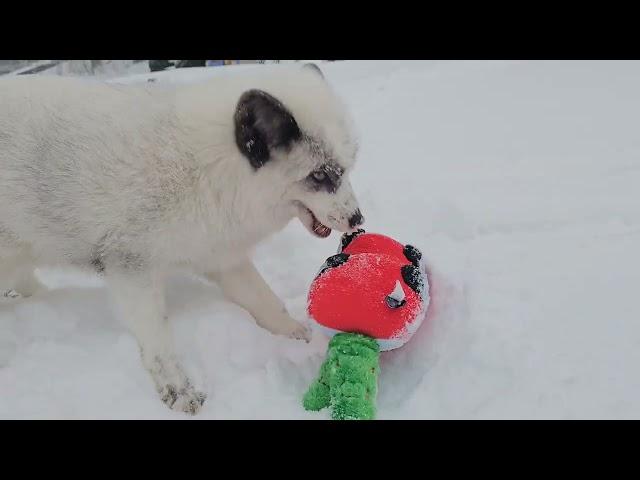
x=315, y=68
x=262, y=124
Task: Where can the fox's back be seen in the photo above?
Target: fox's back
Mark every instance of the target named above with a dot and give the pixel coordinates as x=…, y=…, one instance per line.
x=75, y=155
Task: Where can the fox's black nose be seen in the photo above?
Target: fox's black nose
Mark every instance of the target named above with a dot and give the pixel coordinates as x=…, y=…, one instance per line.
x=356, y=219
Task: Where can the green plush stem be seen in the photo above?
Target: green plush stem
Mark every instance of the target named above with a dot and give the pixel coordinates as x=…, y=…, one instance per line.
x=348, y=379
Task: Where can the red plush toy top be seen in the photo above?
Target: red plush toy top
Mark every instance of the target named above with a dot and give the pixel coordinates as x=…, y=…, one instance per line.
x=375, y=286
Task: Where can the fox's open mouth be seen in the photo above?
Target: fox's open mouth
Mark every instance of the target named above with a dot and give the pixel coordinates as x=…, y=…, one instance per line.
x=315, y=226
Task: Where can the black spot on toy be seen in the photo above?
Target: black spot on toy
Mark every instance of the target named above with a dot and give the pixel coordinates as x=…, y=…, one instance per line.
x=333, y=261
x=413, y=254
x=348, y=237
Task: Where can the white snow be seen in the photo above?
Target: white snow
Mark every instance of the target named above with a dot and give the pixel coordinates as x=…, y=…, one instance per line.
x=519, y=181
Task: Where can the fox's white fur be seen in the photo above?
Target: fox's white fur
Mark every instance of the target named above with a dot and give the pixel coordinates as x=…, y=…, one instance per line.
x=134, y=181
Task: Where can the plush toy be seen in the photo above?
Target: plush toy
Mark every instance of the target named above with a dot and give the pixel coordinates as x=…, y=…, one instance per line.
x=371, y=296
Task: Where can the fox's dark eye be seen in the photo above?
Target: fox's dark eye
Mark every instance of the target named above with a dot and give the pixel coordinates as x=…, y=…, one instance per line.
x=319, y=175
x=325, y=177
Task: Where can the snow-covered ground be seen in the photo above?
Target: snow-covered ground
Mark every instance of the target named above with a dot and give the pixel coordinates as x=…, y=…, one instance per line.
x=520, y=183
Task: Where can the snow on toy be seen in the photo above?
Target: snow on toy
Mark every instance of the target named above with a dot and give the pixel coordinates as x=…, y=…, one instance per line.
x=371, y=296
